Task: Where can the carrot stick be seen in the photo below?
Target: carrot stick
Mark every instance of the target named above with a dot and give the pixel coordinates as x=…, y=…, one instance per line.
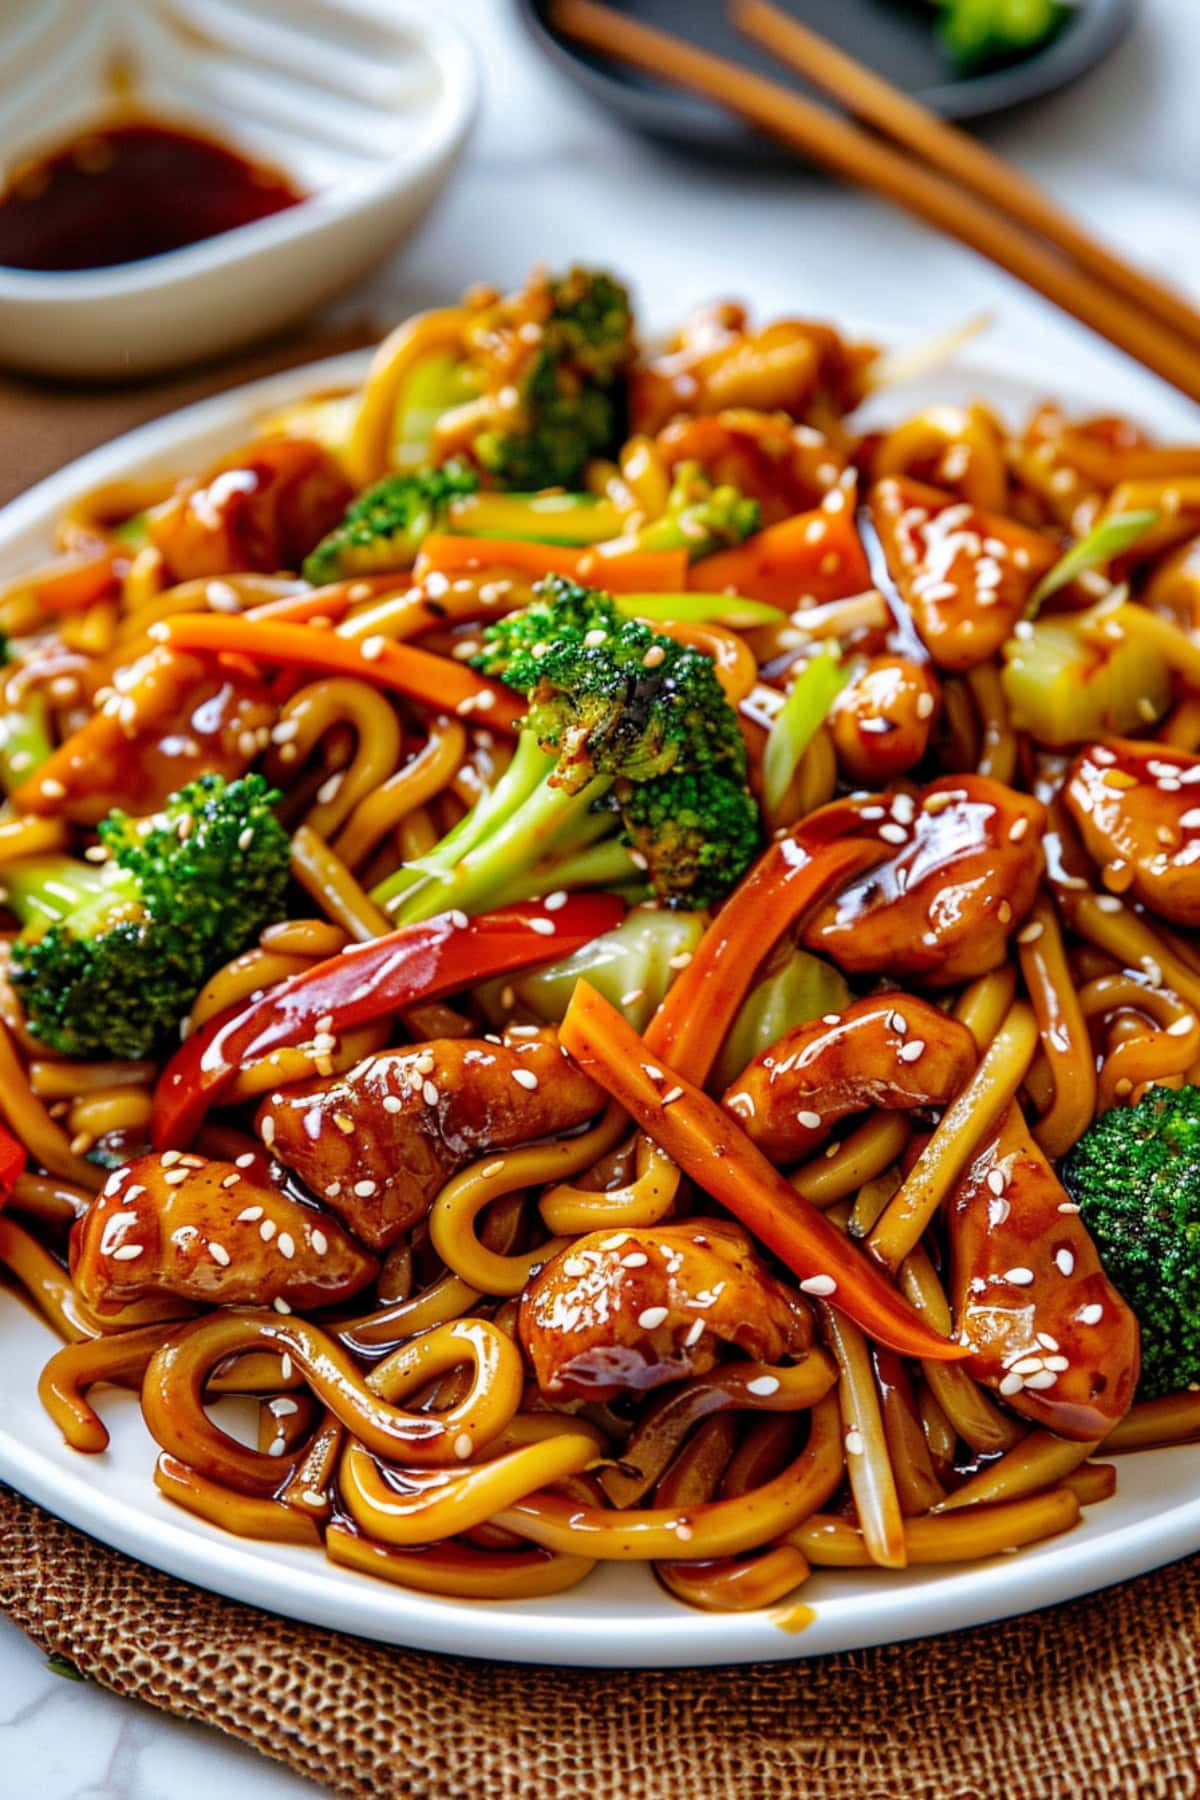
x=813, y=555
x=713, y=1149
x=624, y=571
x=401, y=668
x=71, y=584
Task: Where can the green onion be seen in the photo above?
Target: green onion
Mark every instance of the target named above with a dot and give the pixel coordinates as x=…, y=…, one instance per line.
x=801, y=716
x=700, y=609
x=1102, y=543
x=133, y=531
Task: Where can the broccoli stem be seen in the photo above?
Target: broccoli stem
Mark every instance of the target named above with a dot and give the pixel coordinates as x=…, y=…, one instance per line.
x=607, y=865
x=575, y=520
x=42, y=890
x=24, y=740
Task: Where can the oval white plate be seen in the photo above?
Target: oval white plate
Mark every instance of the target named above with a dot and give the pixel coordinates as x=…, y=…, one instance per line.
x=619, y=1616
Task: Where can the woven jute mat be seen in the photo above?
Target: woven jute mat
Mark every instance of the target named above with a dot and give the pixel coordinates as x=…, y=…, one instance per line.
x=1088, y=1701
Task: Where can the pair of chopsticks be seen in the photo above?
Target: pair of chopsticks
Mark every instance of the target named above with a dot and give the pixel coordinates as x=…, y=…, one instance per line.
x=930, y=168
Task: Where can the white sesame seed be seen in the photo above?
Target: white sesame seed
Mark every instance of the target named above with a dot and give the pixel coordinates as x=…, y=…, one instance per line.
x=169, y=1158
x=127, y=1252
x=525, y=1078
x=543, y=927
x=463, y=1445
x=896, y=1021
x=1019, y=1276
x=675, y=1093
x=286, y=1245
x=695, y=1332
x=652, y=1318
x=654, y=656
x=910, y=1052
x=1011, y=1384
x=430, y=1093
x=810, y=1121
x=267, y=1131
x=1065, y=1261
x=281, y=1305
x=997, y=1180
x=245, y=837
x=637, y=1259
x=1046, y=1341
x=855, y=1442
x=319, y=1241
x=893, y=834
x=1107, y=903
x=763, y=1385
x=267, y=1230
x=364, y=1189
x=632, y=996
x=245, y=1161
x=1045, y=1378
x=821, y=1285
x=175, y=1177
x=220, y=1255
x=1091, y=1314
x=1059, y=1364
x=372, y=648
x=249, y=1215
x=1029, y=934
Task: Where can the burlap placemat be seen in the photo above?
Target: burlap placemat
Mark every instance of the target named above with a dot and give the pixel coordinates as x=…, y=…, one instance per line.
x=1089, y=1701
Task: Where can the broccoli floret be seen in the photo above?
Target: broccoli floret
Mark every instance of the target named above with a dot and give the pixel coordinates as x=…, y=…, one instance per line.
x=384, y=528
x=112, y=956
x=630, y=759
x=980, y=31
x=1135, y=1176
x=551, y=360
x=699, y=517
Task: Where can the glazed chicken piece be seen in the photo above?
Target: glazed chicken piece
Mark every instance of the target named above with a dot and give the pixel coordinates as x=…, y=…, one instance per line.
x=633, y=1309
x=263, y=508
x=967, y=576
x=882, y=719
x=965, y=872
x=787, y=468
x=169, y=720
x=1137, y=807
x=212, y=1233
x=893, y=1051
x=1049, y=1331
x=377, y=1143
x=719, y=361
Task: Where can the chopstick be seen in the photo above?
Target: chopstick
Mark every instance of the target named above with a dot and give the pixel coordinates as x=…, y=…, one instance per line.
x=862, y=158
x=870, y=98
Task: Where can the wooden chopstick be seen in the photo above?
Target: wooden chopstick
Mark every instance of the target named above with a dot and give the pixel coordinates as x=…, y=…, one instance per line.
x=861, y=157
x=870, y=98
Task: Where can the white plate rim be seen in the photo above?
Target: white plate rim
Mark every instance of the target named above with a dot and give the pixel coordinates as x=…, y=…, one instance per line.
x=854, y=1609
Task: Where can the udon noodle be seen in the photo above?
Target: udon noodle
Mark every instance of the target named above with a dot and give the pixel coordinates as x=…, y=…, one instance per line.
x=738, y=1247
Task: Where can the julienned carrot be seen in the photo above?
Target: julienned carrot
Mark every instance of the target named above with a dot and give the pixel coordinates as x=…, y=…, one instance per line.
x=436, y=680
x=786, y=881
x=73, y=583
x=814, y=555
x=713, y=1149
x=331, y=602
x=623, y=571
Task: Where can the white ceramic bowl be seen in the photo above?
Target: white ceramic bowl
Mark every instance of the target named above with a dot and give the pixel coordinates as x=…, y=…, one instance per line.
x=619, y=1616
x=365, y=104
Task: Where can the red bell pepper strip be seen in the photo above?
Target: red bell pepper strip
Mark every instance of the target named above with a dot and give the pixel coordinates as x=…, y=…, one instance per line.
x=713, y=1149
x=368, y=981
x=436, y=681
x=12, y=1163
x=786, y=882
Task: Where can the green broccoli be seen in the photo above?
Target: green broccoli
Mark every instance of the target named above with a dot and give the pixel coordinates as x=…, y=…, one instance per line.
x=1135, y=1176
x=383, y=529
x=25, y=742
x=630, y=759
x=699, y=517
x=974, y=32
x=112, y=955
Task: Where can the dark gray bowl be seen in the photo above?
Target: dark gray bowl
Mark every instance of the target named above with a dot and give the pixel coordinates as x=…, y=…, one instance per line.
x=897, y=37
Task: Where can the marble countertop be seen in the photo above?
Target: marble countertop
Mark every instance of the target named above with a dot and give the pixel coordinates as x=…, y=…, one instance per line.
x=547, y=176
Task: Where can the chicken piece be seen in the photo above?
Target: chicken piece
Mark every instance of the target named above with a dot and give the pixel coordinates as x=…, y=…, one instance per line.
x=964, y=874
x=966, y=575
x=1137, y=807
x=633, y=1309
x=882, y=720
x=1048, y=1330
x=719, y=361
x=787, y=468
x=377, y=1143
x=209, y=1232
x=169, y=720
x=892, y=1050
x=262, y=508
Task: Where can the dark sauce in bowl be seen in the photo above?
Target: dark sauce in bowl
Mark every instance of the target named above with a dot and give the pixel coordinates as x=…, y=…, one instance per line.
x=131, y=190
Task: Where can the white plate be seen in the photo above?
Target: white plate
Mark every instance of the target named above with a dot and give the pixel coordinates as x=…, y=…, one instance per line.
x=619, y=1616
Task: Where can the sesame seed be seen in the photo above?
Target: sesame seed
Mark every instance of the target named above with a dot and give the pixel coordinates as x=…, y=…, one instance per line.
x=893, y=834
x=593, y=639
x=652, y=1318
x=319, y=1241
x=52, y=789
x=637, y=1259
x=174, y=1177
x=997, y=1180
x=543, y=927
x=811, y=1121
x=672, y=1094
x=574, y=1266
x=249, y=1215
x=896, y=1020
x=1091, y=1314
x=654, y=655
x=855, y=1442
x=911, y=1051
x=364, y=1189
x=345, y=1123
x=127, y=1252
x=280, y=1304
x=632, y=996
x=1004, y=912
x=680, y=960
x=245, y=1160
x=169, y=1158
x=695, y=1332
x=525, y=1078
x=1027, y=1365
x=1019, y=1276
x=286, y=1245
x=430, y=1093
x=463, y=1445
x=372, y=648
x=1181, y=1026
x=1029, y=934
x=276, y=1447
x=286, y=1366
x=763, y=1385
x=1107, y=903
x=1045, y=1378
x=245, y=837
x=1011, y=1384
x=925, y=706
x=267, y=1230
x=820, y=1285
x=219, y=1254
x=282, y=1408
x=267, y=1131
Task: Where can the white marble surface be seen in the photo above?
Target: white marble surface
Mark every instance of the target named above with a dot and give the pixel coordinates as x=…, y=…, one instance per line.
x=547, y=176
